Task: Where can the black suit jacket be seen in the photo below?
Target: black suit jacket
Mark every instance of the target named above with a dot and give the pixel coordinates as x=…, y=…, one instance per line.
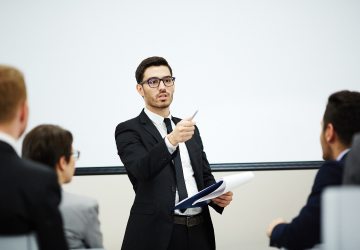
x=304, y=230
x=29, y=196
x=149, y=167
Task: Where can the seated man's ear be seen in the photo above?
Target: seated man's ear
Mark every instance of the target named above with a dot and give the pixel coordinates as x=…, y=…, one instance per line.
x=62, y=164
x=330, y=133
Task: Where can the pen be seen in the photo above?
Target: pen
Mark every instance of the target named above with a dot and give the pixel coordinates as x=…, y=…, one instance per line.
x=194, y=115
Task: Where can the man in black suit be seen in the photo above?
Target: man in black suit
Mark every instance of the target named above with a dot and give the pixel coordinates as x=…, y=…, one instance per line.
x=165, y=163
x=340, y=122
x=29, y=192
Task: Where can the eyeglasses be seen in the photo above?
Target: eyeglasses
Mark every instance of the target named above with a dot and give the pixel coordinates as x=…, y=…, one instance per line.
x=76, y=154
x=154, y=82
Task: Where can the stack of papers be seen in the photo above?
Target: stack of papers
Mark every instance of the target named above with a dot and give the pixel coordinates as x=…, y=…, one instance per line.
x=224, y=185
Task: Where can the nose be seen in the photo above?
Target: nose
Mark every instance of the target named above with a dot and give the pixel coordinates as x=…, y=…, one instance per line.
x=162, y=85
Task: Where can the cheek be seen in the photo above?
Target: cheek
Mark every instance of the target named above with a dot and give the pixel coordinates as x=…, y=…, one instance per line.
x=73, y=161
x=322, y=138
x=149, y=93
x=171, y=91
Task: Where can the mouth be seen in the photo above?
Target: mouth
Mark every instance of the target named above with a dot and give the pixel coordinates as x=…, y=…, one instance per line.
x=163, y=96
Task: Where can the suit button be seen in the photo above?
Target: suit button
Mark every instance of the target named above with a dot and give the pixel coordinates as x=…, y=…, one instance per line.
x=173, y=189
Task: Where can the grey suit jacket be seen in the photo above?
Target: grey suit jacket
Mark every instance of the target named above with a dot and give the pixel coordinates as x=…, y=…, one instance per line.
x=352, y=165
x=81, y=222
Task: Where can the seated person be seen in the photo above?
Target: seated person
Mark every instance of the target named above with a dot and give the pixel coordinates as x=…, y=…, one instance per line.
x=352, y=166
x=52, y=146
x=29, y=192
x=339, y=124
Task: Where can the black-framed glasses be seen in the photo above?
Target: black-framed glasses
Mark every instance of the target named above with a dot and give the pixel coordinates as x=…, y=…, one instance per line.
x=154, y=82
x=76, y=154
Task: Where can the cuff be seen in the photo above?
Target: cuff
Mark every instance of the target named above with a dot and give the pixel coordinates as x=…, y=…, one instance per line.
x=169, y=146
x=276, y=235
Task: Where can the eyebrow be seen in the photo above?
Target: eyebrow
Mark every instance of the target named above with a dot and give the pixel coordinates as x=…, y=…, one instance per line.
x=157, y=77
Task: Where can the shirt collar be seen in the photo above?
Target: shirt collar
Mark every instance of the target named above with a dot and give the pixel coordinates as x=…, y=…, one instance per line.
x=341, y=155
x=155, y=118
x=9, y=140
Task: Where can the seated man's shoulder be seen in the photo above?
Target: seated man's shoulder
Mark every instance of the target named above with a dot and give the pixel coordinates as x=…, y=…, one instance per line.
x=331, y=167
x=330, y=173
x=36, y=169
x=77, y=202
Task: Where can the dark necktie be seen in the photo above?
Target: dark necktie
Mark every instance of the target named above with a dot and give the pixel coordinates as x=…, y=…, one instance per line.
x=178, y=168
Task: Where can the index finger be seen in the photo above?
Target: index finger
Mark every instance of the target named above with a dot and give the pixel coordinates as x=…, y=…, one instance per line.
x=188, y=123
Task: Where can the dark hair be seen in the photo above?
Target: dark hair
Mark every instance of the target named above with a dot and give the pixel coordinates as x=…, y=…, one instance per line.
x=148, y=62
x=47, y=144
x=343, y=112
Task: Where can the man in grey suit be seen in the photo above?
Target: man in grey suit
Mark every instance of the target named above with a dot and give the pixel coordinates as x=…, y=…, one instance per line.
x=52, y=146
x=81, y=223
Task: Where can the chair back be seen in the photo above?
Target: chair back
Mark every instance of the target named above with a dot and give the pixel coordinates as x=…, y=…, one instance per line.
x=17, y=242
x=340, y=218
x=352, y=164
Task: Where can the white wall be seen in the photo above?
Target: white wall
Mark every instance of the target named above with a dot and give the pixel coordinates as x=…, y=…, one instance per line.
x=243, y=224
x=258, y=71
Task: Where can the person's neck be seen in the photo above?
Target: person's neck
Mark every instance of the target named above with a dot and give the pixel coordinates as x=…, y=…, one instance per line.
x=61, y=179
x=337, y=149
x=10, y=129
x=164, y=112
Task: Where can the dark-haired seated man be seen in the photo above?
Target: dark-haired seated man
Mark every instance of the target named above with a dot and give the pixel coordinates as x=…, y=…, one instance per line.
x=29, y=192
x=52, y=146
x=341, y=121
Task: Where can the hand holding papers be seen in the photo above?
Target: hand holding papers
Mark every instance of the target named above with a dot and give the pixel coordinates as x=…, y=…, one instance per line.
x=224, y=185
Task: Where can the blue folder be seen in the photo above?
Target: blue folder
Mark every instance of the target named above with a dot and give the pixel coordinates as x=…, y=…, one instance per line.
x=189, y=202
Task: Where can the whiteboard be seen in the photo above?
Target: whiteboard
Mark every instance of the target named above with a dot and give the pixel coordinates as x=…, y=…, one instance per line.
x=260, y=72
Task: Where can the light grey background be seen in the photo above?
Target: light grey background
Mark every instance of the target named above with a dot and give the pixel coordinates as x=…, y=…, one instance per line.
x=258, y=71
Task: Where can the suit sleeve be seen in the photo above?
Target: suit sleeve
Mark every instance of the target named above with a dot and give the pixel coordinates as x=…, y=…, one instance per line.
x=207, y=175
x=143, y=164
x=47, y=217
x=93, y=236
x=304, y=230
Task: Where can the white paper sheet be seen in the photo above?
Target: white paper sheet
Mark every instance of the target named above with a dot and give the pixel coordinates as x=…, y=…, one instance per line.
x=230, y=182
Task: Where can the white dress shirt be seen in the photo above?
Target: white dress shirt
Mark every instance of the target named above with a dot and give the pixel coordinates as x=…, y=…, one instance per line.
x=341, y=155
x=188, y=171
x=9, y=140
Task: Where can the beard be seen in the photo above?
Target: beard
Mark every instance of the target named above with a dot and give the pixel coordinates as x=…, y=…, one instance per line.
x=327, y=154
x=326, y=149
x=154, y=102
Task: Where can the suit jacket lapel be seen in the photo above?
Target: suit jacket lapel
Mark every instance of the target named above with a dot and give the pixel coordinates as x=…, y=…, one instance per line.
x=149, y=126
